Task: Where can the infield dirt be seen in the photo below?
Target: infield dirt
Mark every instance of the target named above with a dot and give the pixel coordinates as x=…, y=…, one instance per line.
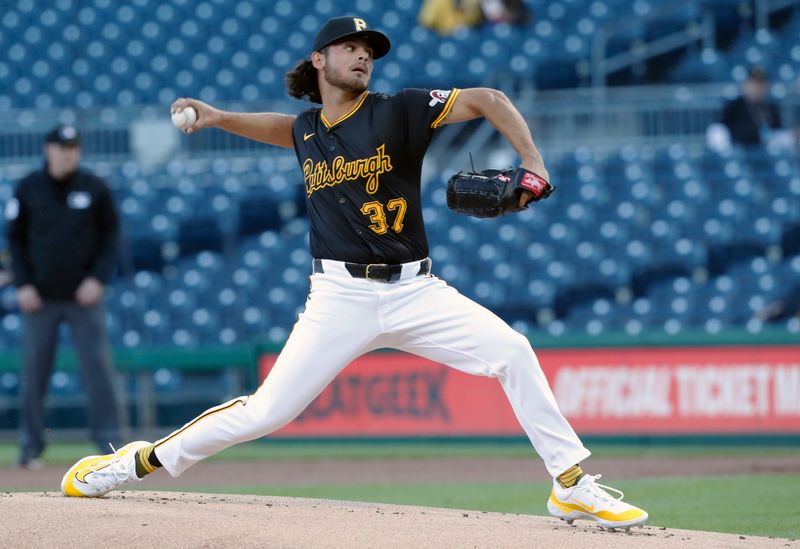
x=169, y=519
x=46, y=519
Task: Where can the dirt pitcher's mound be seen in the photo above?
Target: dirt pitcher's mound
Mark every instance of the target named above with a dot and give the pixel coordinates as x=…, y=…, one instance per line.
x=167, y=519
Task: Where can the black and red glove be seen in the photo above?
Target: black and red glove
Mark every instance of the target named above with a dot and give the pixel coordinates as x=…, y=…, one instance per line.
x=492, y=193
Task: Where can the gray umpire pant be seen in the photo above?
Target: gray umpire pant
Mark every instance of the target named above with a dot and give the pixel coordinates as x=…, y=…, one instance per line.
x=40, y=338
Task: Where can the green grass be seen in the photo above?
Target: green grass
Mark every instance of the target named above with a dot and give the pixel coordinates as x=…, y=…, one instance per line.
x=67, y=453
x=766, y=505
x=763, y=505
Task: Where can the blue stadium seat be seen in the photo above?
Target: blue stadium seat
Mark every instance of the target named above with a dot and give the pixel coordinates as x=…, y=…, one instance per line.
x=199, y=234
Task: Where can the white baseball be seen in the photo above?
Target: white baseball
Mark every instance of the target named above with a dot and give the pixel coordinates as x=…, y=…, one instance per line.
x=185, y=118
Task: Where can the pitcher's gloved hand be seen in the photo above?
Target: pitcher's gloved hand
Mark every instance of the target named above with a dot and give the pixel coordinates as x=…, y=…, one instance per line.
x=492, y=193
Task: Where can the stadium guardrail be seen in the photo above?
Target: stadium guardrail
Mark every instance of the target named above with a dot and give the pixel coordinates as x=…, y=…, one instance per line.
x=604, y=119
x=560, y=120
x=135, y=373
x=244, y=366
x=699, y=26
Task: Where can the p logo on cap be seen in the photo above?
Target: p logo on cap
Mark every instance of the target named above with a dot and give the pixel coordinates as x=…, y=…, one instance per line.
x=63, y=134
x=347, y=26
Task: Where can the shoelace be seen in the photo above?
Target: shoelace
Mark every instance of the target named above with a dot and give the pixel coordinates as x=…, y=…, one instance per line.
x=599, y=490
x=112, y=475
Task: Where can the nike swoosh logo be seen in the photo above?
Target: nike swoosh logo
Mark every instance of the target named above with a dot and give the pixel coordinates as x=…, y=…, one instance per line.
x=583, y=506
x=307, y=136
x=82, y=477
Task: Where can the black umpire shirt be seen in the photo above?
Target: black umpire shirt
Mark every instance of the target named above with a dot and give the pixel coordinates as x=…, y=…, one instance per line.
x=362, y=175
x=745, y=120
x=61, y=232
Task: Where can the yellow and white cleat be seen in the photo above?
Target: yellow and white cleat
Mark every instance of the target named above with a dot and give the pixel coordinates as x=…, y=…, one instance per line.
x=94, y=476
x=589, y=500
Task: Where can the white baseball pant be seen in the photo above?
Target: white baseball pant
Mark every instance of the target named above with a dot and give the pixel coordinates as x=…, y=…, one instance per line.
x=346, y=317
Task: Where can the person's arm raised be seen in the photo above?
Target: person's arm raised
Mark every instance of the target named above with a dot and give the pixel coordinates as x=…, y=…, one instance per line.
x=494, y=106
x=265, y=127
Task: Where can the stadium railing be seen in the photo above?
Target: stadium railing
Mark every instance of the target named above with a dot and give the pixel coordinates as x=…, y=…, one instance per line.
x=240, y=366
x=560, y=119
x=699, y=26
x=605, y=119
x=139, y=398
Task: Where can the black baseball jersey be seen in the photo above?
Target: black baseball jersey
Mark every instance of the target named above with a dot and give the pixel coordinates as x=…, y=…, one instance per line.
x=362, y=175
x=60, y=232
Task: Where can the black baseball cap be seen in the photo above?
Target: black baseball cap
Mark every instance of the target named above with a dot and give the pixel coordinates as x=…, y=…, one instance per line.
x=64, y=135
x=346, y=26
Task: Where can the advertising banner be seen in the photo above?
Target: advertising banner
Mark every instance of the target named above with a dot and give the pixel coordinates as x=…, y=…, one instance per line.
x=619, y=391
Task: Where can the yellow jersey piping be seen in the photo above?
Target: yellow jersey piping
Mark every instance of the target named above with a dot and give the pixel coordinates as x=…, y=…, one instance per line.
x=446, y=110
x=350, y=113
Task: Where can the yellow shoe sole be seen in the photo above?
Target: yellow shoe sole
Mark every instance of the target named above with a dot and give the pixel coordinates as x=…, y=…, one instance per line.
x=607, y=519
x=74, y=476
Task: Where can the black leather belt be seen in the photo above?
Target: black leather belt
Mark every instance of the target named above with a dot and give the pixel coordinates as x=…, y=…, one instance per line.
x=381, y=272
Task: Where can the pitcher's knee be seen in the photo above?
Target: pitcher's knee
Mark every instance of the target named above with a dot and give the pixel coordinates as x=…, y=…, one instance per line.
x=516, y=345
x=511, y=350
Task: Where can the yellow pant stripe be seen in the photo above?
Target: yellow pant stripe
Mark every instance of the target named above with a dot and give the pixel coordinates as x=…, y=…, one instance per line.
x=208, y=413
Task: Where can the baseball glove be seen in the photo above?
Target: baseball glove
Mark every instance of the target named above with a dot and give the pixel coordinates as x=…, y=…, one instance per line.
x=492, y=193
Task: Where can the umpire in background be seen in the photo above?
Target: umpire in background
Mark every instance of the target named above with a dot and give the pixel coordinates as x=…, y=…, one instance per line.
x=63, y=234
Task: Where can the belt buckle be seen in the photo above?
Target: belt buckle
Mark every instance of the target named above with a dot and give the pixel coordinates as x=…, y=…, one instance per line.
x=366, y=271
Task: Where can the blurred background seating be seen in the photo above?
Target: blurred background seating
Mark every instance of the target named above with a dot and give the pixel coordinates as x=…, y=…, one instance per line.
x=650, y=230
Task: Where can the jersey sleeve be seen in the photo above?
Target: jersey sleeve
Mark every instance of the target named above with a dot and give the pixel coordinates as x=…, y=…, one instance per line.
x=17, y=230
x=422, y=111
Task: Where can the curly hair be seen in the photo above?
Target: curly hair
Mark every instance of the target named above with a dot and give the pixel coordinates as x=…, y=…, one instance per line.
x=301, y=82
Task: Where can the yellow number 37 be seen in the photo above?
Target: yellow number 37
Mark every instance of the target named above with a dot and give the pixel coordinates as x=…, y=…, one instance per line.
x=377, y=214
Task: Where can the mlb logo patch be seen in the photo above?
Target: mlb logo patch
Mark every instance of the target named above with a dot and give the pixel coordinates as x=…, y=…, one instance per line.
x=12, y=209
x=439, y=96
x=79, y=200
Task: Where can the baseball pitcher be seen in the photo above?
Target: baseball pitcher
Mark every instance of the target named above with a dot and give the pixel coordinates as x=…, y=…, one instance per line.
x=360, y=154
